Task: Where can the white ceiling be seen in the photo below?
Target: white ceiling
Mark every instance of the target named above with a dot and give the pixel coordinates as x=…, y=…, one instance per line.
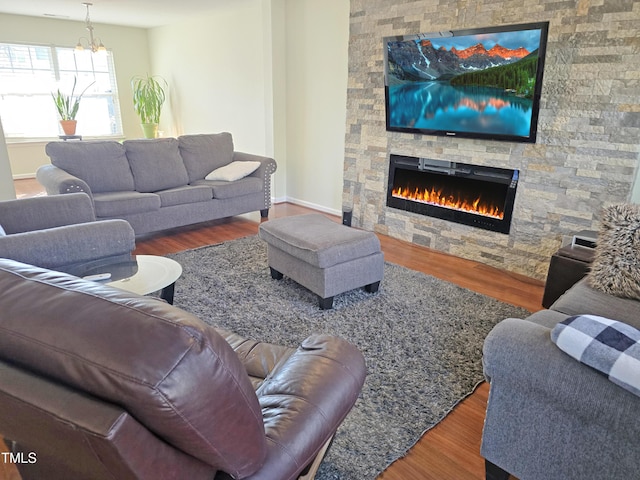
x=133, y=13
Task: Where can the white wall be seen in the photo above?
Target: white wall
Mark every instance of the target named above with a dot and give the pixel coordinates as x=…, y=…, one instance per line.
x=317, y=33
x=214, y=64
x=131, y=57
x=7, y=191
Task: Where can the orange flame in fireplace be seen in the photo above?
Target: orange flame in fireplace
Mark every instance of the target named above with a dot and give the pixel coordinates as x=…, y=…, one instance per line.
x=436, y=197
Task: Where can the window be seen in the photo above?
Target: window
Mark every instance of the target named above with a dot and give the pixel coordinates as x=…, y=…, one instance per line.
x=30, y=73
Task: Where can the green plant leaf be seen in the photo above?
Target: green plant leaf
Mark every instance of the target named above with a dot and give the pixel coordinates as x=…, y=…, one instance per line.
x=68, y=105
x=148, y=97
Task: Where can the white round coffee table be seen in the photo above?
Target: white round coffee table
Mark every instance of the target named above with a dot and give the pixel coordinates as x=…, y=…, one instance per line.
x=154, y=273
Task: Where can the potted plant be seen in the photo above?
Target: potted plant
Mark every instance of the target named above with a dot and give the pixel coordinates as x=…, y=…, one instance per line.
x=148, y=98
x=68, y=106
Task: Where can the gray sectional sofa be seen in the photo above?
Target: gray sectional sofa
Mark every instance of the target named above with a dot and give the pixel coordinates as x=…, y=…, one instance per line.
x=160, y=183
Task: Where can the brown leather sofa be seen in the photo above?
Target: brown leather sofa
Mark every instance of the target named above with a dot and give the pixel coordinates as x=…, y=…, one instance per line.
x=96, y=383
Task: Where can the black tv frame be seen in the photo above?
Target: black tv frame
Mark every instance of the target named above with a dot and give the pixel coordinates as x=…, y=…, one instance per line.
x=535, y=106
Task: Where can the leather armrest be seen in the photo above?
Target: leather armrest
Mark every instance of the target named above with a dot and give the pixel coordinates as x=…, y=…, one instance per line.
x=305, y=400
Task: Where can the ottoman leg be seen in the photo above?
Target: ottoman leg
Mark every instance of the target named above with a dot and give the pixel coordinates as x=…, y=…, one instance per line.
x=326, y=303
x=372, y=287
x=275, y=274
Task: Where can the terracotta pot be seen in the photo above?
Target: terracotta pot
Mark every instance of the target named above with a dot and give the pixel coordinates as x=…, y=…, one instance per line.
x=69, y=126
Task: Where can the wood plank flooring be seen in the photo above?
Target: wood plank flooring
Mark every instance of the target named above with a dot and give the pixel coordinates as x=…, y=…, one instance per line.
x=450, y=450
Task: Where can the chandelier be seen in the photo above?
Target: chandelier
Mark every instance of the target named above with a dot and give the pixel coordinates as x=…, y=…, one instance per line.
x=93, y=44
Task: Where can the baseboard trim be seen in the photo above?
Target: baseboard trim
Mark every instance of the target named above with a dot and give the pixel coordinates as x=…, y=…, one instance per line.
x=23, y=176
x=303, y=203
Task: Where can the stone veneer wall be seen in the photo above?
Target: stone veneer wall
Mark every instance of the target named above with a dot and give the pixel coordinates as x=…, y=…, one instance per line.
x=587, y=150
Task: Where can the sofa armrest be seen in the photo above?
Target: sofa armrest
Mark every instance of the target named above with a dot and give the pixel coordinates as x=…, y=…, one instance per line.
x=265, y=170
x=304, y=401
x=550, y=416
x=37, y=213
x=71, y=244
x=57, y=181
x=520, y=355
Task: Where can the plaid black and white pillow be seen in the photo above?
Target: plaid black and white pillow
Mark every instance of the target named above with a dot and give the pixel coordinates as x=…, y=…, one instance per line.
x=609, y=346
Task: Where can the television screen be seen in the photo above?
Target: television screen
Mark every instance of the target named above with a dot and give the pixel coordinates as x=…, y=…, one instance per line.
x=476, y=83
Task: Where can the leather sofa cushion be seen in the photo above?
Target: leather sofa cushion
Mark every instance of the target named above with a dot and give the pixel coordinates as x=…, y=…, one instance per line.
x=156, y=164
x=103, y=165
x=124, y=203
x=204, y=153
x=172, y=372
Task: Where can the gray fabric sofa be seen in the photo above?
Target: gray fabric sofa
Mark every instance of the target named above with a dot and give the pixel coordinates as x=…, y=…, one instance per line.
x=550, y=416
x=160, y=183
x=61, y=233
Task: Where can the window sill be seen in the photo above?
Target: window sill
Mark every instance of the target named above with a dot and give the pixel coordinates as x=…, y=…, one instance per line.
x=42, y=140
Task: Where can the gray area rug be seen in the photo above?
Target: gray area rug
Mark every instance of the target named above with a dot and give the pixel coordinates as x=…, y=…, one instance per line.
x=421, y=338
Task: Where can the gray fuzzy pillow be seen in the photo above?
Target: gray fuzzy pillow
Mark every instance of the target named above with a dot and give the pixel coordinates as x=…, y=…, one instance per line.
x=616, y=267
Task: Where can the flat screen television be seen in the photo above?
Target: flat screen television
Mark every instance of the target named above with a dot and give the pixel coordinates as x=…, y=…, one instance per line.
x=474, y=83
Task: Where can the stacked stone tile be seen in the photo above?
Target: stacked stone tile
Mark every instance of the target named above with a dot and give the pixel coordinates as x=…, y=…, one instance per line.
x=587, y=151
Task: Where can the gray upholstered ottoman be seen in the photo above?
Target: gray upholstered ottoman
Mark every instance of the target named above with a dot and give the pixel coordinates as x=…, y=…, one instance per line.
x=324, y=256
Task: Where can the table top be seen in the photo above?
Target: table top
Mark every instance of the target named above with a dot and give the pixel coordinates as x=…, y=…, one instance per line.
x=154, y=273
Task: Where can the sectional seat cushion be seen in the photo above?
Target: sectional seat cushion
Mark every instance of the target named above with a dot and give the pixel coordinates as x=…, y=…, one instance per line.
x=184, y=195
x=103, y=165
x=203, y=153
x=115, y=204
x=156, y=164
x=222, y=189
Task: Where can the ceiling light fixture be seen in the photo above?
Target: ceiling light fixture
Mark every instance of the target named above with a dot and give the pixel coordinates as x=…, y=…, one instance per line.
x=93, y=44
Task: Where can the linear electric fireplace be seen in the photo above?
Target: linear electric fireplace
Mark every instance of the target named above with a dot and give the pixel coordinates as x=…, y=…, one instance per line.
x=473, y=195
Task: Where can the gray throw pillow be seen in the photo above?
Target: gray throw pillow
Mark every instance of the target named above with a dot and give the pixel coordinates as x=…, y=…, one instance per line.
x=203, y=153
x=616, y=267
x=103, y=165
x=156, y=164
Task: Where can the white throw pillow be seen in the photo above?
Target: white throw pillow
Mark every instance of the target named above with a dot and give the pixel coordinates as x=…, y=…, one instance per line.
x=234, y=171
x=2, y=232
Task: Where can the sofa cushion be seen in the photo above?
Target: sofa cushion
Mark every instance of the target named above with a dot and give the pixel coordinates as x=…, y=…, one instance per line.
x=204, y=153
x=233, y=171
x=168, y=369
x=616, y=266
x=581, y=298
x=116, y=204
x=185, y=195
x=317, y=240
x=156, y=164
x=609, y=346
x=103, y=165
x=223, y=190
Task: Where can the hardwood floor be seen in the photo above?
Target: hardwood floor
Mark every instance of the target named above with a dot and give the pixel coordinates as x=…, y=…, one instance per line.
x=449, y=451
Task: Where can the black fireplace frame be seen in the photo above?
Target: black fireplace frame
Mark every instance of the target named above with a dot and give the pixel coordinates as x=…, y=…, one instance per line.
x=476, y=172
